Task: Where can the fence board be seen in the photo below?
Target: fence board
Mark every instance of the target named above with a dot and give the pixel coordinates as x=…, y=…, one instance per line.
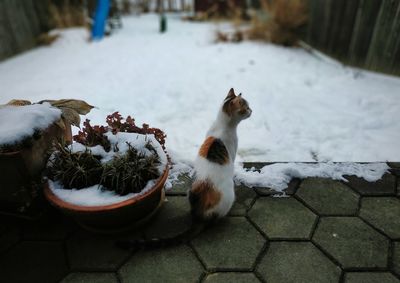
x=7, y=42
x=20, y=25
x=30, y=14
x=316, y=19
x=21, y=21
x=326, y=27
x=335, y=24
x=363, y=33
x=393, y=46
x=342, y=43
x=377, y=57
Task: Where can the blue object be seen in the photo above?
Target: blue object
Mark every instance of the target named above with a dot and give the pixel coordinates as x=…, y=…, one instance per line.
x=100, y=18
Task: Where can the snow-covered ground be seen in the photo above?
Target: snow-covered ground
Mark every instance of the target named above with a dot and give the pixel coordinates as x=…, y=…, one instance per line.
x=304, y=108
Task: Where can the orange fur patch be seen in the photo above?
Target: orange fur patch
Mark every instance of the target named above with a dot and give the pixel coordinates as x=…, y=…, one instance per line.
x=205, y=147
x=208, y=196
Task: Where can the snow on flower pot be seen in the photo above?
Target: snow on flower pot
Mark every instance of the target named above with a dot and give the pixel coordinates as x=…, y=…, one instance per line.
x=26, y=136
x=112, y=177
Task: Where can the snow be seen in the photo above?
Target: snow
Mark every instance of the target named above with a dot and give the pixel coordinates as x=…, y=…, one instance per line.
x=277, y=176
x=139, y=142
x=121, y=140
x=92, y=196
x=304, y=108
x=20, y=122
x=96, y=195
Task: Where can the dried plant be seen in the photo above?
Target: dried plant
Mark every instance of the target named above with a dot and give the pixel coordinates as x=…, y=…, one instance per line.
x=117, y=123
x=125, y=173
x=71, y=109
x=75, y=170
x=93, y=135
x=46, y=38
x=130, y=172
x=221, y=36
x=235, y=36
x=221, y=10
x=67, y=13
x=286, y=18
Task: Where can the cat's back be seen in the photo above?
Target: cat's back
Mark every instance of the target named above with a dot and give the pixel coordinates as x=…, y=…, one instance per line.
x=213, y=161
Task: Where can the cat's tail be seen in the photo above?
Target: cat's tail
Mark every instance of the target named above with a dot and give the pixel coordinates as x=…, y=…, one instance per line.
x=195, y=229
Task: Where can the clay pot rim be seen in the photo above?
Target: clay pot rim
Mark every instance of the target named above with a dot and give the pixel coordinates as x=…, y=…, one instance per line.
x=54, y=199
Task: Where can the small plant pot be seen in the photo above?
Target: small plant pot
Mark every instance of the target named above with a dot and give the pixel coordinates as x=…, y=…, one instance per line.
x=116, y=217
x=20, y=178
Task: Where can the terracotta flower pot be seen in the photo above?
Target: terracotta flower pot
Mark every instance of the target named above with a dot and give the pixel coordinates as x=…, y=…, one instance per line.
x=114, y=217
x=20, y=178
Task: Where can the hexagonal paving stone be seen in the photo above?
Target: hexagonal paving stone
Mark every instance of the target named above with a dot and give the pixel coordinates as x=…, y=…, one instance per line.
x=283, y=218
x=297, y=262
x=244, y=199
x=398, y=186
x=383, y=213
x=80, y=277
x=34, y=262
x=370, y=277
x=396, y=257
x=94, y=252
x=51, y=226
x=177, y=264
x=237, y=277
x=181, y=186
x=230, y=243
x=328, y=197
x=9, y=232
x=384, y=186
x=172, y=219
x=352, y=242
x=395, y=168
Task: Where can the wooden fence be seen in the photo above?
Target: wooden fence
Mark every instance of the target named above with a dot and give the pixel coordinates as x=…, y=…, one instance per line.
x=362, y=33
x=21, y=21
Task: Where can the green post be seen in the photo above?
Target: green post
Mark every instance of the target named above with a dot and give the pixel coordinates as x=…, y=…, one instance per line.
x=163, y=23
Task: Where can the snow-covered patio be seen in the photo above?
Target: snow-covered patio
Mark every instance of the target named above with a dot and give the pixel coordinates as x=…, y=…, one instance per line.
x=338, y=228
x=304, y=108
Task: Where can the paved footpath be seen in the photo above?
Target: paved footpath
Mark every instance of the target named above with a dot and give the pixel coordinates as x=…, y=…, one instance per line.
x=325, y=231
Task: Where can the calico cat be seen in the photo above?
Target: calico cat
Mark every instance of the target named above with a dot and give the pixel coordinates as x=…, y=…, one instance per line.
x=212, y=193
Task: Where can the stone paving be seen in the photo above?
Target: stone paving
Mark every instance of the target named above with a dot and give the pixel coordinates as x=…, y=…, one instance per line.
x=324, y=231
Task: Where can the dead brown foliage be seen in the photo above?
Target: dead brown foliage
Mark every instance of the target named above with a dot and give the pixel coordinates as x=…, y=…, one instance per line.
x=67, y=13
x=286, y=18
x=234, y=10
x=46, y=38
x=235, y=36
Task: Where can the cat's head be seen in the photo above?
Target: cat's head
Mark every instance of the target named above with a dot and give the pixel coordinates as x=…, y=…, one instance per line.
x=236, y=107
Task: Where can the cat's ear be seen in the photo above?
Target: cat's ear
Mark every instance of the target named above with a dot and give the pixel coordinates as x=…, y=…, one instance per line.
x=240, y=95
x=231, y=94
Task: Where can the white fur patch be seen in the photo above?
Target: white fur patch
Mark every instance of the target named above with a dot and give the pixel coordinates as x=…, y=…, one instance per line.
x=221, y=177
